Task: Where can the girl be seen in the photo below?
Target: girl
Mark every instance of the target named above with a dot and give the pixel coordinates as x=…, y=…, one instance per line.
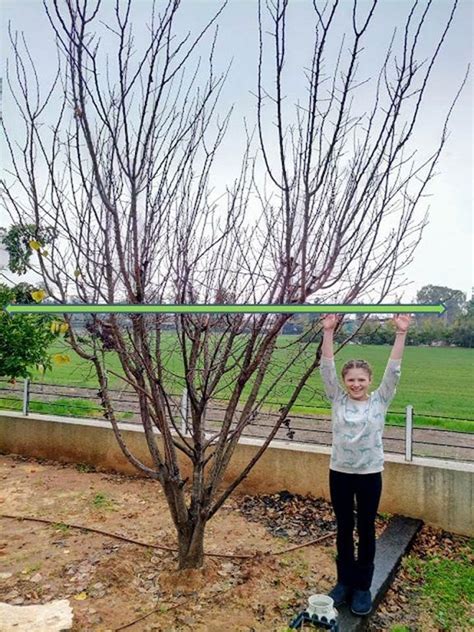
x=357, y=460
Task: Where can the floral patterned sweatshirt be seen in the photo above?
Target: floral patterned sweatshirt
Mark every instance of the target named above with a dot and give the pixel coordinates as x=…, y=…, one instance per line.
x=357, y=427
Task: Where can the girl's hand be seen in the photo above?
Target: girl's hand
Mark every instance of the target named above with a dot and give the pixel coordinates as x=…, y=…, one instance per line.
x=402, y=322
x=330, y=322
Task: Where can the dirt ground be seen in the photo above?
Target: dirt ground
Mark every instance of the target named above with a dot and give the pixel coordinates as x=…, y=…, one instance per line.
x=116, y=585
x=111, y=583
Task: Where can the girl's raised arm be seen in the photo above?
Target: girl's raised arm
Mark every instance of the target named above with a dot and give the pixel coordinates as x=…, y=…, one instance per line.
x=402, y=322
x=391, y=376
x=329, y=325
x=327, y=367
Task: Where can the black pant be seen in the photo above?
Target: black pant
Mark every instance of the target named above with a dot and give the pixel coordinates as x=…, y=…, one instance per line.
x=366, y=488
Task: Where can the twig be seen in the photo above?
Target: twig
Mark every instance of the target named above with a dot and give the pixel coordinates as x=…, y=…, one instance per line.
x=173, y=607
x=148, y=614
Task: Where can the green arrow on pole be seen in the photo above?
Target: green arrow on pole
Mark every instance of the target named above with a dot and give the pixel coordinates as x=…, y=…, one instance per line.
x=117, y=308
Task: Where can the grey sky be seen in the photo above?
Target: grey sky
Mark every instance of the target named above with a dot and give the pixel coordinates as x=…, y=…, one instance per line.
x=445, y=255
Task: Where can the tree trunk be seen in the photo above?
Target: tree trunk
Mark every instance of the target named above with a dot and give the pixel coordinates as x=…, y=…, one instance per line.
x=191, y=545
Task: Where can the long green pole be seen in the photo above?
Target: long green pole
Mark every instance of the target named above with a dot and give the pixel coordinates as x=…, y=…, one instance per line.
x=222, y=309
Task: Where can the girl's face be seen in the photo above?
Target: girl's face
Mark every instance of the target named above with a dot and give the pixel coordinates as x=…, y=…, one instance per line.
x=357, y=382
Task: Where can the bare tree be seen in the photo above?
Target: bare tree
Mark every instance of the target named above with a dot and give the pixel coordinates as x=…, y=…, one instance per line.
x=124, y=179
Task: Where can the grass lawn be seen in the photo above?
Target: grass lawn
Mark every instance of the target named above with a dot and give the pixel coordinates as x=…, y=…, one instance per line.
x=62, y=407
x=447, y=587
x=436, y=381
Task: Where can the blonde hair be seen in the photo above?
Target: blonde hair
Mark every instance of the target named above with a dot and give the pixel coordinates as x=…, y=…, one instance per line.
x=357, y=364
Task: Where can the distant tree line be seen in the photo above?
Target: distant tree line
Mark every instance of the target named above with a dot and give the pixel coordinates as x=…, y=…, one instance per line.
x=429, y=331
x=454, y=327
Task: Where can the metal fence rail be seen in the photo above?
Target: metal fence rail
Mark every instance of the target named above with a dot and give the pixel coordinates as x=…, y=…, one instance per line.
x=302, y=428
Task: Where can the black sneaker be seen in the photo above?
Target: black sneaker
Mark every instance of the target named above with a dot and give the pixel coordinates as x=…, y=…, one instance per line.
x=340, y=594
x=361, y=603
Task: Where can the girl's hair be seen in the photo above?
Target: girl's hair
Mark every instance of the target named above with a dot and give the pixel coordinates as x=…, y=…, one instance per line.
x=357, y=364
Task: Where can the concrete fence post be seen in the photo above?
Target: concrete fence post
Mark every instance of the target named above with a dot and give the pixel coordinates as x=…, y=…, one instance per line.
x=26, y=396
x=409, y=433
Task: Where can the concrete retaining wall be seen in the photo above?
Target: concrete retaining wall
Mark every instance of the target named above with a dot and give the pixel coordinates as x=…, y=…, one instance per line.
x=439, y=492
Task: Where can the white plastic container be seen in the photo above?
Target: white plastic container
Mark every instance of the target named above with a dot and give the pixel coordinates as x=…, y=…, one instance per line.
x=321, y=606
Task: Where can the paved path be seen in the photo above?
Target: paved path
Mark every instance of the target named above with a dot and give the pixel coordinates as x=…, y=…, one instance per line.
x=394, y=543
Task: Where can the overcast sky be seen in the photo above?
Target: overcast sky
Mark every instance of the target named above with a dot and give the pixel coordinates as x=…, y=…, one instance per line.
x=445, y=255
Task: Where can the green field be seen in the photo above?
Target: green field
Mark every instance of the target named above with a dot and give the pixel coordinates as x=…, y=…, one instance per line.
x=436, y=381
